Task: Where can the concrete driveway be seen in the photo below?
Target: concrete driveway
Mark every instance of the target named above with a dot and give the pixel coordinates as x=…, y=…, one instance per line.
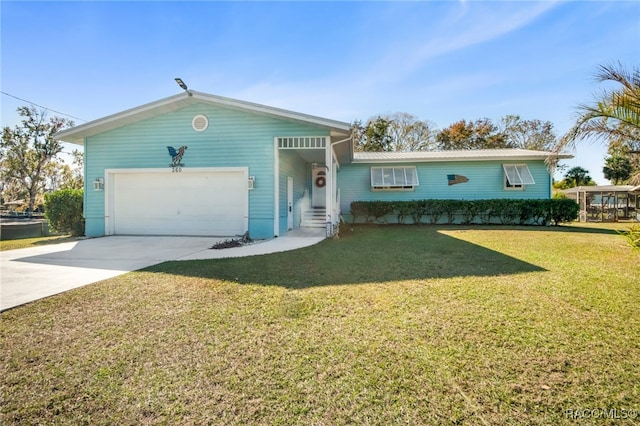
x=33, y=273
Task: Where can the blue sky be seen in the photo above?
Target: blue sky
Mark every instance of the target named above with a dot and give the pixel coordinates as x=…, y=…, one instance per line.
x=441, y=61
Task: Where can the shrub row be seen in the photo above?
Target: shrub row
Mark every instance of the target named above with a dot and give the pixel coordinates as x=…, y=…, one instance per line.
x=503, y=211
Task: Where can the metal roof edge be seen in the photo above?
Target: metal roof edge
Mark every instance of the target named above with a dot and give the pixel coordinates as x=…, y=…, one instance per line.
x=76, y=134
x=112, y=118
x=273, y=111
x=526, y=156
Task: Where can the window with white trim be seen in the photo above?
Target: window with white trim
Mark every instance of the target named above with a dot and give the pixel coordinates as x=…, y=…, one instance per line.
x=516, y=176
x=394, y=178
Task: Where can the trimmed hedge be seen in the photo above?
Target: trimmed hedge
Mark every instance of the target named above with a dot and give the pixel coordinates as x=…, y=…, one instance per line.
x=502, y=210
x=63, y=209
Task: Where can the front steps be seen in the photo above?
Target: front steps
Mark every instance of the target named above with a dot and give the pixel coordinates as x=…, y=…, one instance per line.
x=315, y=217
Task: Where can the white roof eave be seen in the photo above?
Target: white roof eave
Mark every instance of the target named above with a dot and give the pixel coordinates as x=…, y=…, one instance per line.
x=173, y=103
x=78, y=133
x=447, y=156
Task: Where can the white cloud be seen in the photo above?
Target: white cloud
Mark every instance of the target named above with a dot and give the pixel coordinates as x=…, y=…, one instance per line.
x=464, y=26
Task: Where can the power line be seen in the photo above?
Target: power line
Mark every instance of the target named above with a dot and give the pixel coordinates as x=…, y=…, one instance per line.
x=40, y=106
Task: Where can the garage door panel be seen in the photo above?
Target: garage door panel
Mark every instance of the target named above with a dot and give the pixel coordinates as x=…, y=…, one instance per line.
x=198, y=203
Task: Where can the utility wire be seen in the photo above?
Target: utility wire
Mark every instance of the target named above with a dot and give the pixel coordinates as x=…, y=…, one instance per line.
x=40, y=106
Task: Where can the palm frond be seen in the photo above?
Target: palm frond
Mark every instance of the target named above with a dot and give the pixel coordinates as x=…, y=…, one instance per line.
x=614, y=114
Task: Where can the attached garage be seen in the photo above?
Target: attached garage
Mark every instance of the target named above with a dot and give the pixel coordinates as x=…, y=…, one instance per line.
x=199, y=202
x=138, y=181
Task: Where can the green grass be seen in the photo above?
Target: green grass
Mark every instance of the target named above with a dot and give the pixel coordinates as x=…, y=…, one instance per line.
x=33, y=242
x=386, y=325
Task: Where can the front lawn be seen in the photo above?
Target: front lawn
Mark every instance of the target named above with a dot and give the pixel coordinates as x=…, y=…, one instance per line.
x=386, y=325
x=33, y=242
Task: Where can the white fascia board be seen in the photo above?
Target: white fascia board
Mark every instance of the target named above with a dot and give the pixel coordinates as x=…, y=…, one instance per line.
x=173, y=103
x=78, y=133
x=443, y=160
x=273, y=111
x=449, y=158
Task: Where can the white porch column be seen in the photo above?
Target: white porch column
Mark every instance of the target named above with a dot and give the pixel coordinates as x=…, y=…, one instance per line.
x=276, y=188
x=328, y=161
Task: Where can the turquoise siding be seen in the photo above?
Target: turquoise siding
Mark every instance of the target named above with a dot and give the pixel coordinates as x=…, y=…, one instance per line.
x=485, y=182
x=233, y=139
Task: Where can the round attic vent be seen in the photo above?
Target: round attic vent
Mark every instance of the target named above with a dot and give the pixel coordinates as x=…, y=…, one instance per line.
x=200, y=123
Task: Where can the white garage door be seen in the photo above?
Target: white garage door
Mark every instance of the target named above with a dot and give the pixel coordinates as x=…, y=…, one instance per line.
x=187, y=203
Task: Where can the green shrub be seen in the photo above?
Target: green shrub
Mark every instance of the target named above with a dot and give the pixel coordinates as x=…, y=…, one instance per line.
x=633, y=236
x=508, y=211
x=469, y=211
x=63, y=209
x=503, y=210
x=418, y=210
x=485, y=211
x=559, y=195
x=563, y=210
x=539, y=211
x=359, y=208
x=526, y=212
x=435, y=209
x=451, y=208
x=402, y=210
x=380, y=209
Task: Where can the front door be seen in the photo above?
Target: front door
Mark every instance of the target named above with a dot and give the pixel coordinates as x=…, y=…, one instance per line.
x=289, y=203
x=318, y=196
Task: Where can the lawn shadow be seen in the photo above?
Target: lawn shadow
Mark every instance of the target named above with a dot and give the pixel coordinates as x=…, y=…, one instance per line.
x=573, y=228
x=57, y=240
x=365, y=255
x=586, y=229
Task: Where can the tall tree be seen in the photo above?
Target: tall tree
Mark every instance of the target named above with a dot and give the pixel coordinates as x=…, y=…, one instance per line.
x=479, y=134
x=617, y=169
x=62, y=175
x=28, y=149
x=398, y=132
x=357, y=133
x=535, y=134
x=577, y=176
x=629, y=149
x=375, y=136
x=408, y=133
x=614, y=114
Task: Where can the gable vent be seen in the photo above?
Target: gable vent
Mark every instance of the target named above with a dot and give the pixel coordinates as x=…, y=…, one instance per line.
x=200, y=123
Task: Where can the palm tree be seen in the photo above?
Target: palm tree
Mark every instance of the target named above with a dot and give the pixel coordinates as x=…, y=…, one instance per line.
x=577, y=176
x=614, y=115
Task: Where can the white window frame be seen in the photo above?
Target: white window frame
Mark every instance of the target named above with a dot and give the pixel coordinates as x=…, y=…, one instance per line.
x=396, y=178
x=517, y=177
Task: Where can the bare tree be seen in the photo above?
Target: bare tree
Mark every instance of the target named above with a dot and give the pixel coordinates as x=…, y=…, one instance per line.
x=535, y=134
x=409, y=133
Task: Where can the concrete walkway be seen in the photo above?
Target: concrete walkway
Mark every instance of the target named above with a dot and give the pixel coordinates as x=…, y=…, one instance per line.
x=33, y=273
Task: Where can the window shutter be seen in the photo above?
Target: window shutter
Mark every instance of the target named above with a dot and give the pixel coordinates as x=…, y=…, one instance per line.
x=394, y=177
x=518, y=174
